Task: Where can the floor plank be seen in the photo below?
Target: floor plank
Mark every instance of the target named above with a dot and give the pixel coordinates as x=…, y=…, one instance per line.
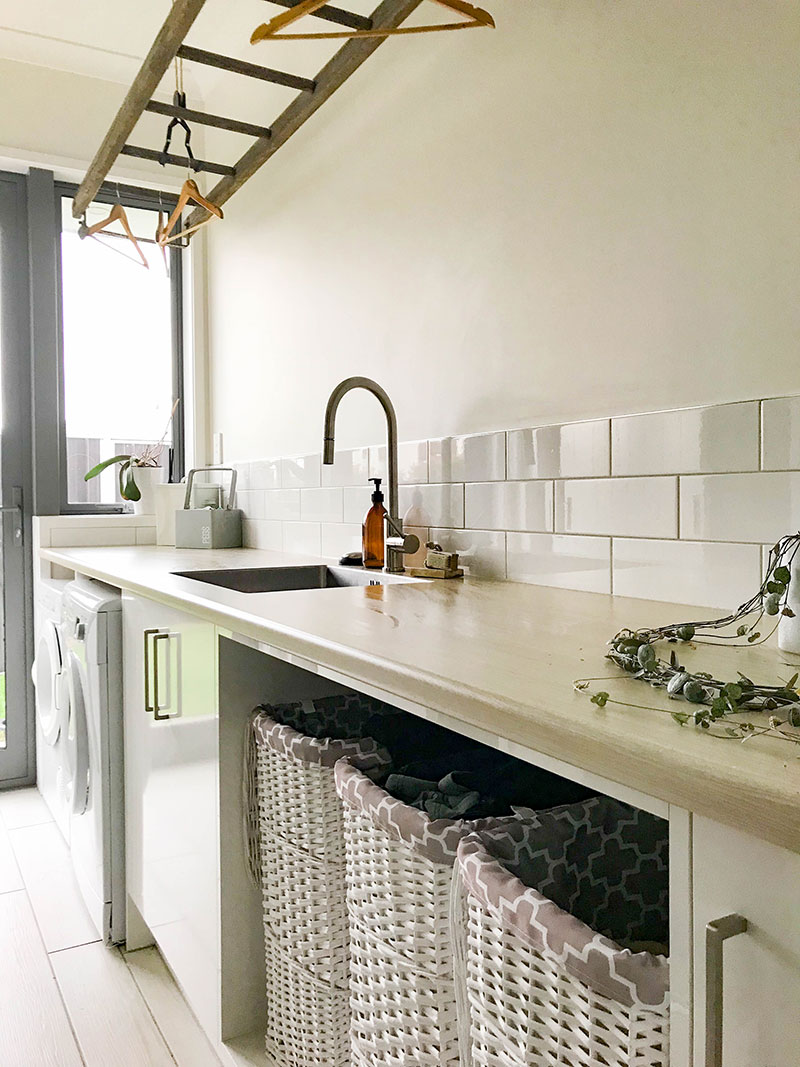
x=44, y=861
x=182, y=1032
x=34, y=1026
x=111, y=1020
x=10, y=878
x=23, y=807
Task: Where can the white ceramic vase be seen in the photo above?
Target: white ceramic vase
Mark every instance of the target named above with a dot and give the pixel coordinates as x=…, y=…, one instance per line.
x=147, y=478
x=789, y=629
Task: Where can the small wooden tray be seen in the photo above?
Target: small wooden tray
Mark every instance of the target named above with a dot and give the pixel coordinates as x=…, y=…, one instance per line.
x=430, y=572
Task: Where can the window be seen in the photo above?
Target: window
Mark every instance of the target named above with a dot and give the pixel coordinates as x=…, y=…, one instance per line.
x=121, y=352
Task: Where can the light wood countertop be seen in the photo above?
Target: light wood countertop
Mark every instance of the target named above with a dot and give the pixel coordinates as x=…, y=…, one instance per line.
x=501, y=656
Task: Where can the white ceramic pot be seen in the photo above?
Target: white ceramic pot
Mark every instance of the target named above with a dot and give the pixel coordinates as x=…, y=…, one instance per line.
x=147, y=478
x=169, y=499
x=789, y=629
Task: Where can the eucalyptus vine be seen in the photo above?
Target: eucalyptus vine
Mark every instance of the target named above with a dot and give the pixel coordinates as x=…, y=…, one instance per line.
x=716, y=704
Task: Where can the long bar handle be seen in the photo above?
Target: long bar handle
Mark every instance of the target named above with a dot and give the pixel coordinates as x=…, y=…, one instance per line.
x=158, y=707
x=148, y=704
x=717, y=933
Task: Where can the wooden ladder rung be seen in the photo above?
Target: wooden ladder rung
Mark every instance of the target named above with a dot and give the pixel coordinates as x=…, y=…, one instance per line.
x=177, y=161
x=202, y=118
x=249, y=70
x=333, y=14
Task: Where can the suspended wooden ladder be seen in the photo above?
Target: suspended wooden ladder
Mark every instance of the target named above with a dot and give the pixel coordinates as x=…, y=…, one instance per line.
x=312, y=93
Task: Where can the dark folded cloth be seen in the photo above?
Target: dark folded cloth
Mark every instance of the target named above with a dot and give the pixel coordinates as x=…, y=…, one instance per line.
x=504, y=781
x=449, y=798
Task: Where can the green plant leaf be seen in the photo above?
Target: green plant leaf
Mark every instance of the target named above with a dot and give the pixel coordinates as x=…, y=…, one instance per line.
x=600, y=699
x=102, y=466
x=783, y=574
x=128, y=489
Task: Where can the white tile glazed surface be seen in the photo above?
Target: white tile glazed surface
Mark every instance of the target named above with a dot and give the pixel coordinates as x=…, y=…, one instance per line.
x=321, y=505
x=432, y=505
x=301, y=472
x=695, y=440
x=412, y=462
x=482, y=552
x=349, y=467
x=304, y=537
x=282, y=504
x=575, y=450
x=565, y=562
x=476, y=458
x=689, y=572
x=509, y=506
x=780, y=434
x=626, y=507
x=541, y=504
x=740, y=507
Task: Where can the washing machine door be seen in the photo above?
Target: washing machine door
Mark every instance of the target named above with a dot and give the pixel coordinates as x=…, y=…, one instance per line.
x=49, y=679
x=77, y=738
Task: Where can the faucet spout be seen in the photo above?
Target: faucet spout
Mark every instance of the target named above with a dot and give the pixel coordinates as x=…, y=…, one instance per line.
x=394, y=553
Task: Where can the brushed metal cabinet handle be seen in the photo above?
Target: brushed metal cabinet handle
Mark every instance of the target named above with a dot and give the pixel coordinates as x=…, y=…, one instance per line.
x=158, y=707
x=148, y=704
x=717, y=933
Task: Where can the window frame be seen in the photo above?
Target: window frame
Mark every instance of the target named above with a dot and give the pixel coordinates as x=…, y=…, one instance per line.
x=133, y=197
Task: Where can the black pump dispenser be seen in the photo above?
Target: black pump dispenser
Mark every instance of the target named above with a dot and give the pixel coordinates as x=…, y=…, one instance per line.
x=377, y=496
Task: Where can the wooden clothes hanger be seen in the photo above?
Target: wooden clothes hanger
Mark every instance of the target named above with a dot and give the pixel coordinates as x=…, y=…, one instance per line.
x=189, y=191
x=117, y=214
x=473, y=17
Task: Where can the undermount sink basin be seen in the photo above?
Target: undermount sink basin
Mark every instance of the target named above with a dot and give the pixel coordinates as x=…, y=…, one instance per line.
x=281, y=579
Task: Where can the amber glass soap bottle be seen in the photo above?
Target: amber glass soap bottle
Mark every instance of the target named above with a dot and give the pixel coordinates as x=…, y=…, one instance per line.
x=372, y=530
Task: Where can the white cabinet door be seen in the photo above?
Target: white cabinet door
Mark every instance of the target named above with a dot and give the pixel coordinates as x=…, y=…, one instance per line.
x=171, y=756
x=736, y=874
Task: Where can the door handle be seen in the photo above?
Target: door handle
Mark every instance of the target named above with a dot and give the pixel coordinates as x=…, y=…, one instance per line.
x=158, y=707
x=148, y=704
x=717, y=933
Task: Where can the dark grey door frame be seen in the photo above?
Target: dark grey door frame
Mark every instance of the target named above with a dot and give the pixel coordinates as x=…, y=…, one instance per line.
x=18, y=759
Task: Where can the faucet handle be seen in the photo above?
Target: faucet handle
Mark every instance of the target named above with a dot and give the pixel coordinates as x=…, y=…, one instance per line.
x=407, y=543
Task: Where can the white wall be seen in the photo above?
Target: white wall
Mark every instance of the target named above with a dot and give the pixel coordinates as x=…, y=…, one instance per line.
x=592, y=210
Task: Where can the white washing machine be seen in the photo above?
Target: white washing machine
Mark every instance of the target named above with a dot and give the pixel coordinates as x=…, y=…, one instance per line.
x=52, y=702
x=92, y=629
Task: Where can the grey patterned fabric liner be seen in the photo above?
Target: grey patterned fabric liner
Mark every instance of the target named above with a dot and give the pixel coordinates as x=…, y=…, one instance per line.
x=325, y=752
x=436, y=839
x=601, y=860
x=639, y=981
x=342, y=717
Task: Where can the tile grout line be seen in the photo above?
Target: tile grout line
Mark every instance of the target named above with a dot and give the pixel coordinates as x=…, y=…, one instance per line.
x=146, y=1003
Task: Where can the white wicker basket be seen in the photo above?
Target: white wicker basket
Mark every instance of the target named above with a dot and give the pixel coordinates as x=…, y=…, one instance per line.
x=399, y=875
x=301, y=840
x=539, y=988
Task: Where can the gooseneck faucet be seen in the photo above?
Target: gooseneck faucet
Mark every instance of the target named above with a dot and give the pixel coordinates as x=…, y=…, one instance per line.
x=400, y=543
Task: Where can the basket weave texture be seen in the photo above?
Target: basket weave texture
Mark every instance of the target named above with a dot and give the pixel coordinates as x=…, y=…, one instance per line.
x=540, y=988
x=399, y=875
x=302, y=858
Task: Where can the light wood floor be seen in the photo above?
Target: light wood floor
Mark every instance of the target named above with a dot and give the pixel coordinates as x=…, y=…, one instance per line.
x=66, y=1000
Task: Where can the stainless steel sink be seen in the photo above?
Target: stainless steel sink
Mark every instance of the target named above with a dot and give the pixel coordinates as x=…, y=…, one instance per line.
x=281, y=579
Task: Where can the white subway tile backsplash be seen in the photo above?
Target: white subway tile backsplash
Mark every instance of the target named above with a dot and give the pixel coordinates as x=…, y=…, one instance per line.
x=625, y=507
x=146, y=535
x=432, y=505
x=339, y=538
x=412, y=462
x=740, y=507
x=691, y=441
x=264, y=474
x=574, y=450
x=301, y=472
x=257, y=533
x=350, y=467
x=482, y=552
x=509, y=506
x=687, y=572
x=565, y=562
x=305, y=538
x=559, y=505
x=357, y=502
x=91, y=537
x=474, y=458
x=283, y=504
x=780, y=434
x=321, y=505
